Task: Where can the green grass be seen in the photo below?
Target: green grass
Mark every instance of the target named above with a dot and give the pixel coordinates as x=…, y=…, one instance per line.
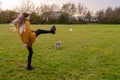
x=89, y=52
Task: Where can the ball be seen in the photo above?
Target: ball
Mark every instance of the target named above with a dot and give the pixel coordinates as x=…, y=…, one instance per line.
x=70, y=29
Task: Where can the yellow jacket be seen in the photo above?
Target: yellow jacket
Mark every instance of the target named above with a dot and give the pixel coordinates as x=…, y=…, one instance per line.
x=28, y=36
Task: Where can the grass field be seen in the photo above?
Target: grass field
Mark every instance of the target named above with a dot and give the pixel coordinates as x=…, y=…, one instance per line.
x=89, y=52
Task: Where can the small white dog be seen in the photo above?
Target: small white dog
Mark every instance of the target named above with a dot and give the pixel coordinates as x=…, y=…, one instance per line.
x=57, y=44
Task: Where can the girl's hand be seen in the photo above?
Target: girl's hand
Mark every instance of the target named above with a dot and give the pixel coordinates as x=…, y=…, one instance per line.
x=25, y=45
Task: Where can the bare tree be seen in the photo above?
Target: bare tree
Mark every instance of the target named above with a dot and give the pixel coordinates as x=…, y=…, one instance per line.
x=66, y=8
x=47, y=11
x=69, y=8
x=100, y=15
x=73, y=8
x=88, y=17
x=85, y=10
x=25, y=6
x=54, y=7
x=43, y=8
x=82, y=9
x=108, y=12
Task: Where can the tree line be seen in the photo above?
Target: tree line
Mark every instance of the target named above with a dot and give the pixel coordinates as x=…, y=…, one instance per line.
x=109, y=16
x=68, y=13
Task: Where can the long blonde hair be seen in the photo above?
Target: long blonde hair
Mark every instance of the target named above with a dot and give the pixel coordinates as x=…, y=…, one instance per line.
x=19, y=22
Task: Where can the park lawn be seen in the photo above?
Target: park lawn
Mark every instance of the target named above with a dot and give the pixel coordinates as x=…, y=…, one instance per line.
x=89, y=52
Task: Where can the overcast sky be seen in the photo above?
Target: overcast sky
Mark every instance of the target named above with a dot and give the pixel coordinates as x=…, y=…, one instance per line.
x=93, y=5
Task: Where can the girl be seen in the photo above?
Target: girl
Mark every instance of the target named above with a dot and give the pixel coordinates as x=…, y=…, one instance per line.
x=27, y=35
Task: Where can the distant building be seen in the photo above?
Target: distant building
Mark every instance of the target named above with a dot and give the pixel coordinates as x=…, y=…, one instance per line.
x=52, y=14
x=55, y=15
x=78, y=17
x=82, y=17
